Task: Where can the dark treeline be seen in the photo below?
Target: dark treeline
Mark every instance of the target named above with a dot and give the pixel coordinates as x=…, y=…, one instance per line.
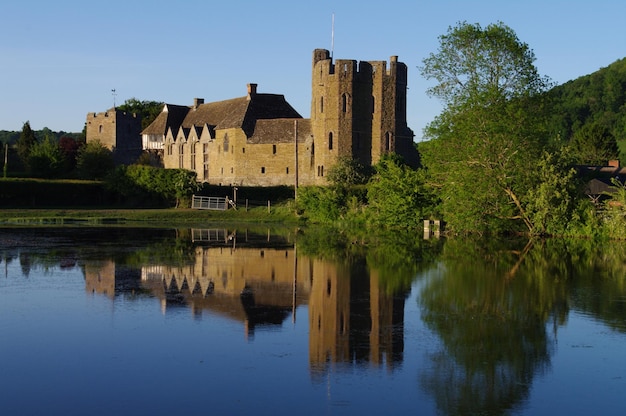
x=11, y=137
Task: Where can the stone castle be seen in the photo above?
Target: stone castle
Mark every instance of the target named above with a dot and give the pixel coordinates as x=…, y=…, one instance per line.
x=358, y=111
x=119, y=131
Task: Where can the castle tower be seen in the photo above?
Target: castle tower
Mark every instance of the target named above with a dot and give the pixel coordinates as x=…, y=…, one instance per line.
x=358, y=110
x=117, y=130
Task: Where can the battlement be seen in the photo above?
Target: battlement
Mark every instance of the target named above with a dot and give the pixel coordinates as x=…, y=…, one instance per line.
x=323, y=65
x=113, y=112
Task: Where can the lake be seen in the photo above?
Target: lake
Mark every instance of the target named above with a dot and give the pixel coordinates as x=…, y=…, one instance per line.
x=267, y=321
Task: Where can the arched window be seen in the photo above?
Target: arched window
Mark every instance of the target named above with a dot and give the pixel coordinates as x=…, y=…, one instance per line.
x=225, y=142
x=100, y=129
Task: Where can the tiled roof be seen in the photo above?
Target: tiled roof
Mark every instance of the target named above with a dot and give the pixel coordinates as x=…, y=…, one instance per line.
x=280, y=130
x=171, y=116
x=240, y=112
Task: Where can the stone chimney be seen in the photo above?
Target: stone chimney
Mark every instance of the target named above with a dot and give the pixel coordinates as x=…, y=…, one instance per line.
x=251, y=90
x=197, y=102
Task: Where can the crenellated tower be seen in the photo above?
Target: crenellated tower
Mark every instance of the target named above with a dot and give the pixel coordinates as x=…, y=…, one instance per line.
x=358, y=110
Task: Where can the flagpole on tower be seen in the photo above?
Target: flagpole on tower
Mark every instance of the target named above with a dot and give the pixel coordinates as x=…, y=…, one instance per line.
x=332, y=36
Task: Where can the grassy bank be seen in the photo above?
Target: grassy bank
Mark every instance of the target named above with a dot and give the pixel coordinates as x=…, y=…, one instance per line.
x=149, y=217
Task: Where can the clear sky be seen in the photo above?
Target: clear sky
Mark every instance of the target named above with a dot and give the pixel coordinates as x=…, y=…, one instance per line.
x=60, y=60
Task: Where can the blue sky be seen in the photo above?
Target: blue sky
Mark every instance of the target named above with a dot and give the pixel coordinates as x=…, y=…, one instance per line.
x=59, y=60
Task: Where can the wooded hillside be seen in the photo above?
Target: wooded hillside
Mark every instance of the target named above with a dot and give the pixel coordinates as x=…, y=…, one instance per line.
x=593, y=102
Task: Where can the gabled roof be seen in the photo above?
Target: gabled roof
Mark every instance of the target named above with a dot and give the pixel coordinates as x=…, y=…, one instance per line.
x=171, y=116
x=240, y=112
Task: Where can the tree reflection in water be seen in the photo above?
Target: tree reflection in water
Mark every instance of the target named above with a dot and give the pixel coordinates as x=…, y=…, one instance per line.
x=490, y=303
x=495, y=306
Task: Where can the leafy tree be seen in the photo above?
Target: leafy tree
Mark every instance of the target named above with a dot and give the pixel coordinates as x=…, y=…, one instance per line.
x=348, y=172
x=185, y=183
x=146, y=185
x=25, y=142
x=46, y=160
x=69, y=147
x=397, y=195
x=614, y=223
x=593, y=144
x=551, y=202
x=94, y=161
x=148, y=110
x=484, y=146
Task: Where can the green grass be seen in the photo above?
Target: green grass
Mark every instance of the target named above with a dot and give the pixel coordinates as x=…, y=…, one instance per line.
x=151, y=217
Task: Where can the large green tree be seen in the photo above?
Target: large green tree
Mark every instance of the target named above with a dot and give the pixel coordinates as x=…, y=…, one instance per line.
x=397, y=195
x=593, y=144
x=46, y=160
x=148, y=110
x=94, y=161
x=484, y=145
x=25, y=142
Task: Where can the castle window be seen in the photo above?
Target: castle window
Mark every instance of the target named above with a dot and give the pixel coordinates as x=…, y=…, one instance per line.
x=274, y=149
x=243, y=150
x=345, y=67
x=312, y=148
x=225, y=142
x=193, y=156
x=387, y=141
x=287, y=170
x=330, y=141
x=320, y=170
x=263, y=170
x=100, y=129
x=232, y=170
x=321, y=104
x=181, y=152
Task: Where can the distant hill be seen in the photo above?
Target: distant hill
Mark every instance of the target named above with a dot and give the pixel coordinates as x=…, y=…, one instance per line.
x=597, y=99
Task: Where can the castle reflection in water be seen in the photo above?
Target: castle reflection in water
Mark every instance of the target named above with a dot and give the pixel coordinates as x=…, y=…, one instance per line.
x=261, y=281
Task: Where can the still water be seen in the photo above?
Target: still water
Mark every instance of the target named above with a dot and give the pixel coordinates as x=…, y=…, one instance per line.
x=256, y=321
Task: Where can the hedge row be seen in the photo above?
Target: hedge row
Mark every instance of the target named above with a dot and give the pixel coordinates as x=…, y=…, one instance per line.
x=39, y=193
